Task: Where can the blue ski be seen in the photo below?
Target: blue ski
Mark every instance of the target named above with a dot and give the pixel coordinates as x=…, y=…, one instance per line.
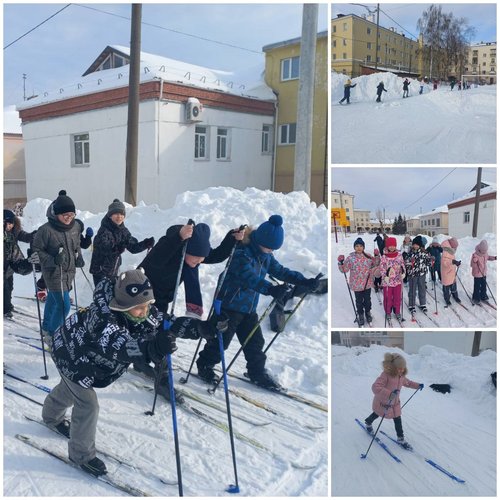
x=430, y=462
x=378, y=441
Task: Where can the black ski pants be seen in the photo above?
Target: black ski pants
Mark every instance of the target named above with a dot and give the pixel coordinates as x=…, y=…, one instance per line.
x=363, y=302
x=479, y=292
x=450, y=289
x=398, y=424
x=8, y=286
x=242, y=325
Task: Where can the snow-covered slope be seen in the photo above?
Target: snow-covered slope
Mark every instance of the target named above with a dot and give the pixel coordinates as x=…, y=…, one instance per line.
x=455, y=317
x=293, y=433
x=456, y=430
x=440, y=126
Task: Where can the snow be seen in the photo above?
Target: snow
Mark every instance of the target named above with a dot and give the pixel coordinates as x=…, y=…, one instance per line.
x=455, y=430
x=343, y=313
x=11, y=120
x=440, y=126
x=298, y=358
x=248, y=83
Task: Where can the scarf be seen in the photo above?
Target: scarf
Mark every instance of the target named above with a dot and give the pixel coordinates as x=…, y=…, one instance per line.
x=192, y=290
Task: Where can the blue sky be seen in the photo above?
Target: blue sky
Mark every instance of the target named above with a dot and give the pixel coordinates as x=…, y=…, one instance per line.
x=480, y=15
x=398, y=189
x=60, y=50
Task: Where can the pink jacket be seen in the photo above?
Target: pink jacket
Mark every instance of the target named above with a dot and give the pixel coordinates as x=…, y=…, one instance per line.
x=360, y=271
x=448, y=269
x=383, y=387
x=479, y=259
x=394, y=265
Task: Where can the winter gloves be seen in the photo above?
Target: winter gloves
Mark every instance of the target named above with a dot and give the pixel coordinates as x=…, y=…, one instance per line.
x=456, y=262
x=278, y=292
x=89, y=232
x=164, y=342
x=420, y=386
x=33, y=257
x=61, y=258
x=310, y=284
x=149, y=242
x=341, y=258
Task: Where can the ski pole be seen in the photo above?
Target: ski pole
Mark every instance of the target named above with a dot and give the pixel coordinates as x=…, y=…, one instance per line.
x=76, y=296
x=352, y=301
x=177, y=282
x=402, y=302
x=183, y=380
x=488, y=286
x=232, y=488
x=43, y=377
x=292, y=312
x=460, y=281
x=88, y=281
x=249, y=336
x=391, y=397
x=407, y=401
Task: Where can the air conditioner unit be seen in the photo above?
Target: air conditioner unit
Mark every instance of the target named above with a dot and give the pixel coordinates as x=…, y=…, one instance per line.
x=194, y=110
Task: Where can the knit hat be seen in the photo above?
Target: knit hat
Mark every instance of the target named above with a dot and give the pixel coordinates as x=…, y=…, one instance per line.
x=424, y=241
x=453, y=243
x=376, y=251
x=117, y=207
x=63, y=204
x=391, y=242
x=199, y=243
x=8, y=216
x=482, y=247
x=435, y=240
x=270, y=234
x=132, y=289
x=417, y=241
x=359, y=241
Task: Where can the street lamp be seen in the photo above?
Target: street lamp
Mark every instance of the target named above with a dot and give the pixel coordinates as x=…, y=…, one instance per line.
x=370, y=11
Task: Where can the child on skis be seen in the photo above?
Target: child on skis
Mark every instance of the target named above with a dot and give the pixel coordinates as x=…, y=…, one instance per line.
x=405, y=250
x=416, y=264
x=435, y=250
x=386, y=388
x=449, y=270
x=359, y=264
x=478, y=264
x=377, y=276
x=392, y=272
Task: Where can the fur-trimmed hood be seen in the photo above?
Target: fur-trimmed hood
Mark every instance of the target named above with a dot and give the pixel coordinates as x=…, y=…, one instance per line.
x=392, y=362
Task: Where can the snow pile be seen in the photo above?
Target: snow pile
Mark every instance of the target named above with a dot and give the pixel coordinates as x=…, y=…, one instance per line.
x=342, y=311
x=298, y=359
x=366, y=86
x=456, y=430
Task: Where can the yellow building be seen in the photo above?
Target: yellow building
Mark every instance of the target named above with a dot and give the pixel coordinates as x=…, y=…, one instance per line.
x=355, y=51
x=282, y=75
x=341, y=199
x=482, y=63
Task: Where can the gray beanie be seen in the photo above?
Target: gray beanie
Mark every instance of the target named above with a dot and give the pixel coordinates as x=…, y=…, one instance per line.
x=117, y=207
x=132, y=289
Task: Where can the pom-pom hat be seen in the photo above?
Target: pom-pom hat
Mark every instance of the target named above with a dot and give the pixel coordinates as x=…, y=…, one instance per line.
x=270, y=234
x=132, y=289
x=117, y=207
x=63, y=204
x=359, y=241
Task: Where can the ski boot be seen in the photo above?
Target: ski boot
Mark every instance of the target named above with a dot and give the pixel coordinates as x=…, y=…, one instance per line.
x=455, y=296
x=63, y=428
x=264, y=379
x=207, y=374
x=402, y=442
x=423, y=308
x=369, y=317
x=399, y=318
x=96, y=467
x=476, y=302
x=8, y=315
x=369, y=427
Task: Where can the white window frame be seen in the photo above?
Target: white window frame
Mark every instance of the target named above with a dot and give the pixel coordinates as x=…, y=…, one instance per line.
x=223, y=149
x=80, y=150
x=201, y=137
x=290, y=68
x=267, y=139
x=287, y=129
x=466, y=217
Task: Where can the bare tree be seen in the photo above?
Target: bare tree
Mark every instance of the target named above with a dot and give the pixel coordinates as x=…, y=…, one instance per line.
x=379, y=214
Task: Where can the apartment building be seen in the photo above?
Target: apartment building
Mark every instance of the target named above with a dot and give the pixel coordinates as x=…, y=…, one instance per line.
x=341, y=199
x=481, y=63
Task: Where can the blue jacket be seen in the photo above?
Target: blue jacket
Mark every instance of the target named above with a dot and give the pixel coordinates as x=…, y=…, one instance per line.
x=245, y=278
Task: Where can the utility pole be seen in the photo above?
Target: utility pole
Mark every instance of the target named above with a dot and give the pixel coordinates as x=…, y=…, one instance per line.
x=24, y=86
x=476, y=344
x=476, y=203
x=376, y=36
x=133, y=106
x=303, y=142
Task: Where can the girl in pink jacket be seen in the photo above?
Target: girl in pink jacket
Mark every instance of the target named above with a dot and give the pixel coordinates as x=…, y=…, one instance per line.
x=478, y=265
x=392, y=269
x=449, y=269
x=386, y=388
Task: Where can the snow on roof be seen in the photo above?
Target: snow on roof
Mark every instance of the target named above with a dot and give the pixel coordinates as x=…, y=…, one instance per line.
x=247, y=83
x=11, y=120
x=490, y=188
x=434, y=211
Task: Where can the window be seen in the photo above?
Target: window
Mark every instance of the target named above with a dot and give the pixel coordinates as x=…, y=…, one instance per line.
x=344, y=42
x=334, y=56
x=369, y=45
x=433, y=222
x=334, y=43
x=267, y=139
x=345, y=26
x=290, y=68
x=368, y=58
x=368, y=31
x=438, y=222
x=287, y=133
x=466, y=217
x=81, y=150
x=344, y=55
x=335, y=29
x=201, y=143
x=223, y=144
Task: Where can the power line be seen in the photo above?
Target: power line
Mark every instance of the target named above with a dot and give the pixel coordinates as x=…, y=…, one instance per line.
x=37, y=26
x=435, y=185
x=170, y=29
x=394, y=21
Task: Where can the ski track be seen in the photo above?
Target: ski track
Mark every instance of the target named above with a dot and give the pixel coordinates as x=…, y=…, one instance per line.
x=123, y=426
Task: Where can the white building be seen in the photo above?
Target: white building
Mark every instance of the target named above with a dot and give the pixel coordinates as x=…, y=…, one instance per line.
x=434, y=222
x=197, y=128
x=459, y=342
x=461, y=212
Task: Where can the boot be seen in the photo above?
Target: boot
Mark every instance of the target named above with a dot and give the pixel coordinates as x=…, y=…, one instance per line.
x=369, y=317
x=264, y=379
x=47, y=338
x=402, y=442
x=163, y=390
x=145, y=368
x=423, y=308
x=207, y=374
x=63, y=428
x=369, y=427
x=8, y=315
x=455, y=296
x=398, y=317
x=96, y=467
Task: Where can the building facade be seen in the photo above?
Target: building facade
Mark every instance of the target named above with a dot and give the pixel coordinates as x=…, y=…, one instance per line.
x=413, y=225
x=362, y=221
x=481, y=65
x=282, y=75
x=341, y=199
x=434, y=222
x=355, y=50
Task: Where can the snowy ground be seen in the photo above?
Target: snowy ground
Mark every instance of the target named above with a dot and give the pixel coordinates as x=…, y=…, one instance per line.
x=298, y=358
x=454, y=317
x=456, y=430
x=440, y=126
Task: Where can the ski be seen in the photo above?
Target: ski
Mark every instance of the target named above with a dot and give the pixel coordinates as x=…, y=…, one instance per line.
x=25, y=381
x=430, y=462
x=106, y=454
x=431, y=319
x=28, y=343
x=20, y=323
x=107, y=478
x=14, y=391
x=414, y=318
x=73, y=306
x=379, y=442
x=470, y=312
x=485, y=302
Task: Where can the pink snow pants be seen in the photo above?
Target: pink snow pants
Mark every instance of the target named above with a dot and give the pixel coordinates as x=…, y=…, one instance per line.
x=392, y=298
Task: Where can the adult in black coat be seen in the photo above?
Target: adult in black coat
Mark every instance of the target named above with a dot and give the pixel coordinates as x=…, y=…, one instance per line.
x=406, y=88
x=380, y=89
x=347, y=91
x=112, y=239
x=380, y=243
